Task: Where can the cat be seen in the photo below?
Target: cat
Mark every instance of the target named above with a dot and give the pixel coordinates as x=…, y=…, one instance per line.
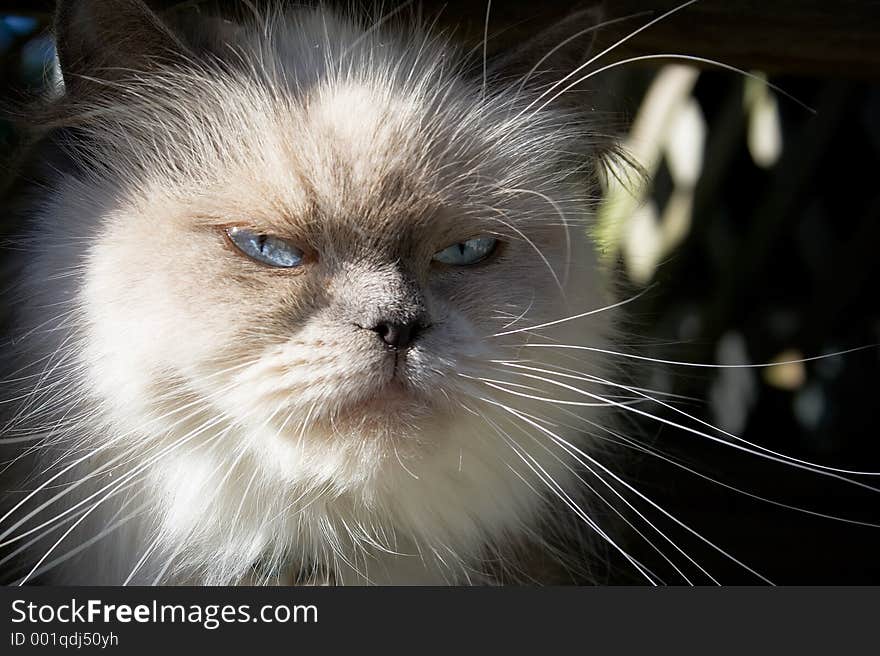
x=274, y=303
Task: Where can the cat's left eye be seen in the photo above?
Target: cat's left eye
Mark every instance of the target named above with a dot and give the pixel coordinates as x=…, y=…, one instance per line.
x=266, y=249
x=467, y=252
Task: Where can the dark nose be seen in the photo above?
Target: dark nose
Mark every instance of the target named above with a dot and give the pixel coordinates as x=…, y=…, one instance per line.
x=398, y=335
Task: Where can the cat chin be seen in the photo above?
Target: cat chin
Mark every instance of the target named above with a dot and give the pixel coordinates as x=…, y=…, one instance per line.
x=291, y=513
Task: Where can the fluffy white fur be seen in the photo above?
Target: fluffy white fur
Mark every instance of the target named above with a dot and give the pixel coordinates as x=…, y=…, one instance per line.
x=218, y=421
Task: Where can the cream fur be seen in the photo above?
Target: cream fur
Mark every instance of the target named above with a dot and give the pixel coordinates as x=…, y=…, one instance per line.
x=257, y=434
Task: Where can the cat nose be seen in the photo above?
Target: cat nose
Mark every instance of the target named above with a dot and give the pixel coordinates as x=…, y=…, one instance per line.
x=396, y=335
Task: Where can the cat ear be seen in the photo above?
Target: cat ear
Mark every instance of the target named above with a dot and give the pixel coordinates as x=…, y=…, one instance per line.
x=104, y=39
x=554, y=52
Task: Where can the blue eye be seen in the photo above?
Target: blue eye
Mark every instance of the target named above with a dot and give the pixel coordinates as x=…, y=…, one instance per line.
x=467, y=252
x=267, y=249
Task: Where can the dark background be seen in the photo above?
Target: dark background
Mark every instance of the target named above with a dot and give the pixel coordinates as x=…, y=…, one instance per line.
x=777, y=260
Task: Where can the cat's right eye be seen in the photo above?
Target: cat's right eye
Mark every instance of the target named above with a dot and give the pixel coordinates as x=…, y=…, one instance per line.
x=266, y=249
x=467, y=252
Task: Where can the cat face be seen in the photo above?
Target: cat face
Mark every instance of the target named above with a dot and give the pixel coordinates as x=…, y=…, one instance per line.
x=169, y=293
x=367, y=187
x=304, y=270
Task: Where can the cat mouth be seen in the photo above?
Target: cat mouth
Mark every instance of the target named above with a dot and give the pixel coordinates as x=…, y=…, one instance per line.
x=389, y=394
x=387, y=398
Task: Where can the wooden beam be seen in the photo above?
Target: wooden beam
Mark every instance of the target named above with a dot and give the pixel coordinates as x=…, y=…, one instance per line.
x=804, y=37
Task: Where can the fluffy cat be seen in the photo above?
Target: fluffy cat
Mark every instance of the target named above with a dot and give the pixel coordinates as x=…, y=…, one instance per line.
x=273, y=300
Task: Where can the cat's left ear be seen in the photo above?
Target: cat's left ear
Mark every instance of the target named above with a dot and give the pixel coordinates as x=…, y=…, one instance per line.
x=103, y=40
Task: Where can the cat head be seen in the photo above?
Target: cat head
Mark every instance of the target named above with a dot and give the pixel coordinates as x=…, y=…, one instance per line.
x=322, y=232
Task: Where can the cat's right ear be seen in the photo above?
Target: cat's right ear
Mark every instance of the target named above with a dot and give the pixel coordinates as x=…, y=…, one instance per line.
x=104, y=40
x=548, y=56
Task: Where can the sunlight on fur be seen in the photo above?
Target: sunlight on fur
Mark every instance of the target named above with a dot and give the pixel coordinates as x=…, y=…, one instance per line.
x=308, y=297
x=245, y=421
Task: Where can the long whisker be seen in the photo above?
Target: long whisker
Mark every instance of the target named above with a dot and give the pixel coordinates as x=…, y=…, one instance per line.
x=628, y=408
x=37, y=570
x=674, y=56
x=681, y=363
x=113, y=484
x=143, y=559
x=633, y=444
x=776, y=454
x=560, y=493
x=632, y=489
x=619, y=514
x=574, y=317
x=107, y=445
x=565, y=229
x=116, y=486
x=485, y=48
x=576, y=35
x=613, y=46
x=112, y=525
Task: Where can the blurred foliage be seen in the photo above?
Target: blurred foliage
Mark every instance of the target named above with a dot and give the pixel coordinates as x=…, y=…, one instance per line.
x=768, y=255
